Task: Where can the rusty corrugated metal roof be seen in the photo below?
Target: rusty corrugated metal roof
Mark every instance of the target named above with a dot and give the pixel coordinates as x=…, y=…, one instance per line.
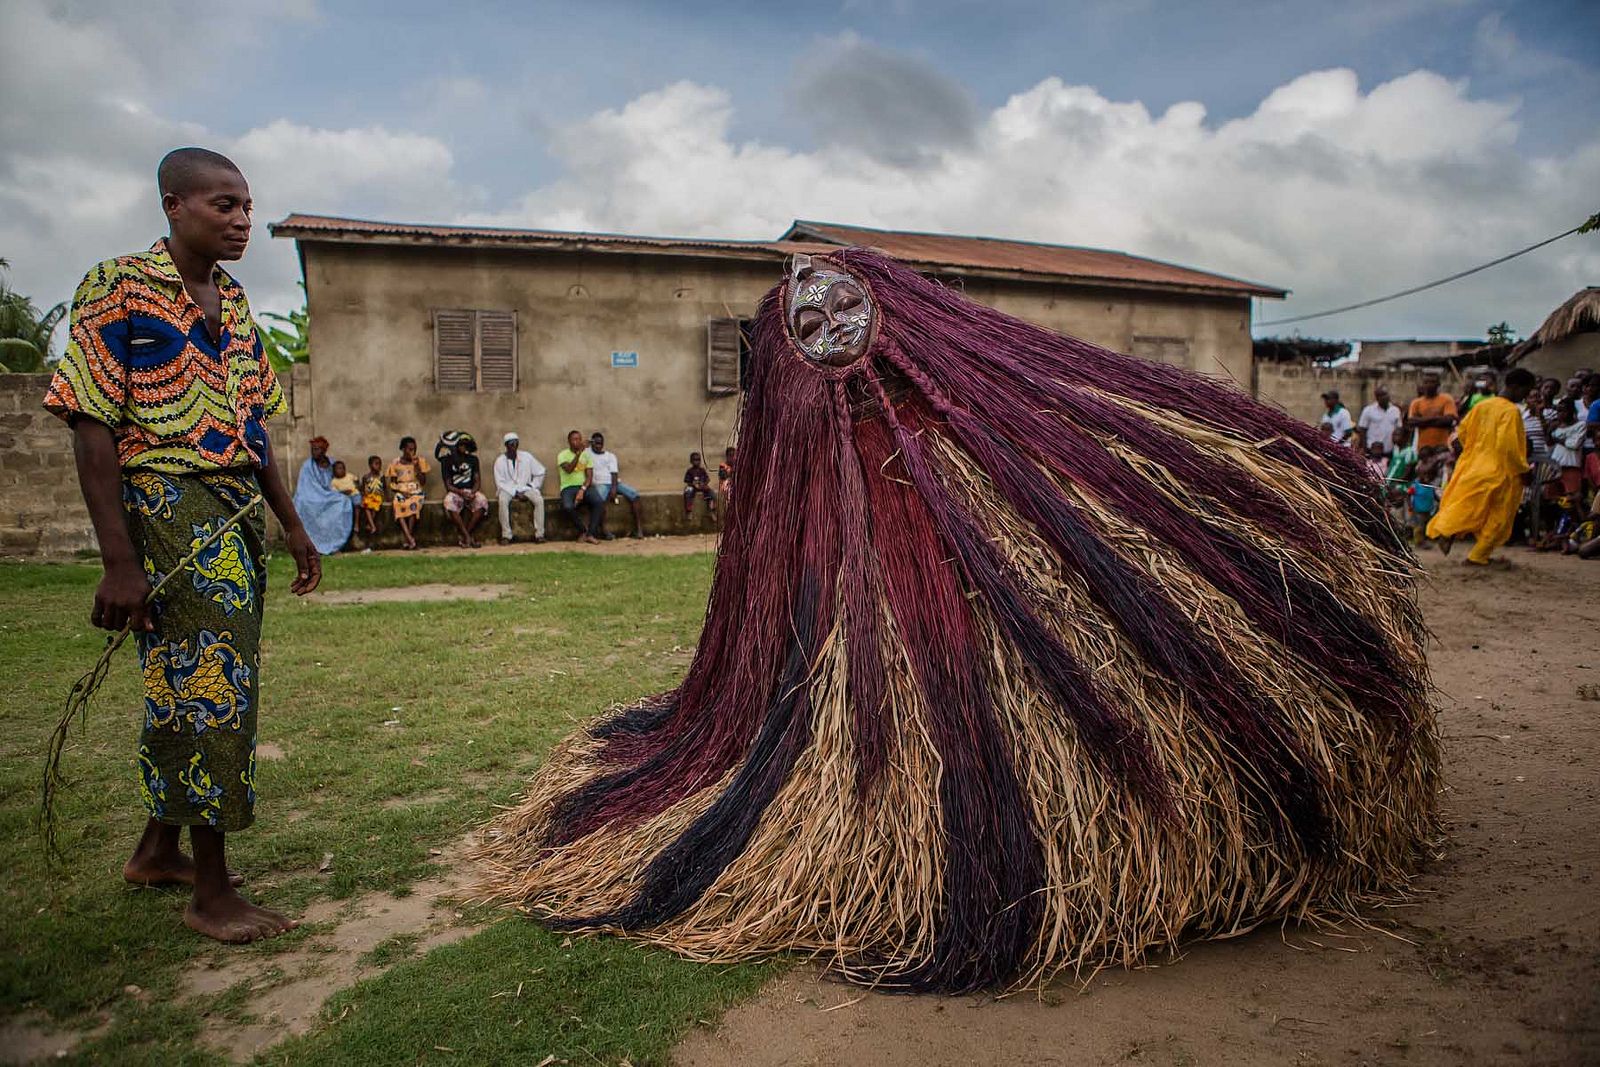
x=1027, y=257
x=957, y=254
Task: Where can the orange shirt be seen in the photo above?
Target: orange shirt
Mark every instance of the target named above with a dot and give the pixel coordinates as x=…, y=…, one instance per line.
x=1424, y=407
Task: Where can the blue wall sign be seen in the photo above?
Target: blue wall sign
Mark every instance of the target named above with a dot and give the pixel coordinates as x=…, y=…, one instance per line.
x=624, y=359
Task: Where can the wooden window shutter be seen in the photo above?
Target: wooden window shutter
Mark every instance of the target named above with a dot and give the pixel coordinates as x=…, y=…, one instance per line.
x=455, y=365
x=497, y=351
x=722, y=357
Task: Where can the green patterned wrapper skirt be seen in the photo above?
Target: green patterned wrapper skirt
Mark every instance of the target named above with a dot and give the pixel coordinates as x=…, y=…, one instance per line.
x=197, y=751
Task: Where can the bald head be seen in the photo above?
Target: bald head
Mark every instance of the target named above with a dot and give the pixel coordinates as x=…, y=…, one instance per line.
x=183, y=170
x=207, y=204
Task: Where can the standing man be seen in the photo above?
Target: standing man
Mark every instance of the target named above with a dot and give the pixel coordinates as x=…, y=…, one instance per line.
x=1380, y=421
x=1482, y=389
x=1432, y=415
x=1483, y=495
x=608, y=485
x=167, y=390
x=457, y=453
x=1335, y=421
x=574, y=464
x=519, y=474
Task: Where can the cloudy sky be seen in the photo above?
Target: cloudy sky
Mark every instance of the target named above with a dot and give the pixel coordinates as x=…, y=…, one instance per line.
x=1340, y=150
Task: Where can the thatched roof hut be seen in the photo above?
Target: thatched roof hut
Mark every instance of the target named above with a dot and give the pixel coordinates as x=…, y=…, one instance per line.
x=1568, y=340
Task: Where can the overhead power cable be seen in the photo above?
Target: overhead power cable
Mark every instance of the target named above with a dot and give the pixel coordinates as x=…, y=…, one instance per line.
x=1591, y=223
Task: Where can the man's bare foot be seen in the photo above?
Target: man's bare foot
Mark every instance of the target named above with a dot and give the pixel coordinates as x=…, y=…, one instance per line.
x=234, y=920
x=176, y=869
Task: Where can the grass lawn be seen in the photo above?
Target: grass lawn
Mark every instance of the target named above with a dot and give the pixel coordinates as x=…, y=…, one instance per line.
x=480, y=690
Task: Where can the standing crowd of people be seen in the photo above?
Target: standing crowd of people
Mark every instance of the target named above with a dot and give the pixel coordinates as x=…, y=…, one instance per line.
x=1509, y=461
x=336, y=505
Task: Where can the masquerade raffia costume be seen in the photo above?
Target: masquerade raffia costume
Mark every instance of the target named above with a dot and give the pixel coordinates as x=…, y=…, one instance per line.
x=1021, y=655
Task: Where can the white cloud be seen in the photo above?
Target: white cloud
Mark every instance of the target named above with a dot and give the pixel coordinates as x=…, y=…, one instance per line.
x=1337, y=193
x=78, y=153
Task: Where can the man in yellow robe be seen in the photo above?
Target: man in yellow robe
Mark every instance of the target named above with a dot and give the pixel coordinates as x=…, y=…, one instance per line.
x=1485, y=491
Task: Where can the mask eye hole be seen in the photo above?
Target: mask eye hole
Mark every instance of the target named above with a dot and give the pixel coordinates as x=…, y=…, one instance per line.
x=807, y=324
x=847, y=298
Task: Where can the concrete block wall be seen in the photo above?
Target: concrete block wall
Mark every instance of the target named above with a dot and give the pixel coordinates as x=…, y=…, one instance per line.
x=41, y=509
x=1298, y=389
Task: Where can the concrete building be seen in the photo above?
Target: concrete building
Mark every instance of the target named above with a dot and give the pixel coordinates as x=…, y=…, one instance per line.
x=1405, y=352
x=416, y=329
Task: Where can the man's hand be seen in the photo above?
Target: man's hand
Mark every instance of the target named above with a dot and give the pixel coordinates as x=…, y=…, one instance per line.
x=308, y=564
x=120, y=600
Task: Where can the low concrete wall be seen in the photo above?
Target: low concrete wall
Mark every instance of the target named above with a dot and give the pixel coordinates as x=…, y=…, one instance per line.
x=41, y=510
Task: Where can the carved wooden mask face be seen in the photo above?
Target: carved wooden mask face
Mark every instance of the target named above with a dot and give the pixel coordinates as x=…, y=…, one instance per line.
x=830, y=313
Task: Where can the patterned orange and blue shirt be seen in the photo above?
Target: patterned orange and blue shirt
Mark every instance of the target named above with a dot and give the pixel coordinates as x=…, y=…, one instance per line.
x=140, y=358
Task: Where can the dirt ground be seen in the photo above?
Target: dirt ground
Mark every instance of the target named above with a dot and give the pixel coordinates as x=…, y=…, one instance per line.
x=1501, y=958
x=287, y=990
x=656, y=545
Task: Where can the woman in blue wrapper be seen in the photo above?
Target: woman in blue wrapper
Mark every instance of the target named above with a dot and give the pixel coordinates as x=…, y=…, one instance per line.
x=326, y=512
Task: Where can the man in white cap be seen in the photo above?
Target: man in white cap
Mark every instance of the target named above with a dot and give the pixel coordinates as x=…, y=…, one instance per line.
x=519, y=474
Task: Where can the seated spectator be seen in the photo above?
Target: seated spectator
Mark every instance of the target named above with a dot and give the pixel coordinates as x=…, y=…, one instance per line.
x=607, y=485
x=697, y=482
x=371, y=486
x=519, y=474
x=457, y=453
x=343, y=481
x=324, y=510
x=573, y=464
x=1584, y=538
x=407, y=475
x=725, y=476
x=1568, y=518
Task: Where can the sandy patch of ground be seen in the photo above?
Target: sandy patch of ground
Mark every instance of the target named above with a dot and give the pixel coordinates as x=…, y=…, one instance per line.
x=406, y=594
x=658, y=545
x=1502, y=958
x=31, y=1039
x=420, y=800
x=288, y=989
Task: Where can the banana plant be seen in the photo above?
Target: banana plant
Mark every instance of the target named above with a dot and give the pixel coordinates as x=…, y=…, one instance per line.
x=288, y=338
x=27, y=342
